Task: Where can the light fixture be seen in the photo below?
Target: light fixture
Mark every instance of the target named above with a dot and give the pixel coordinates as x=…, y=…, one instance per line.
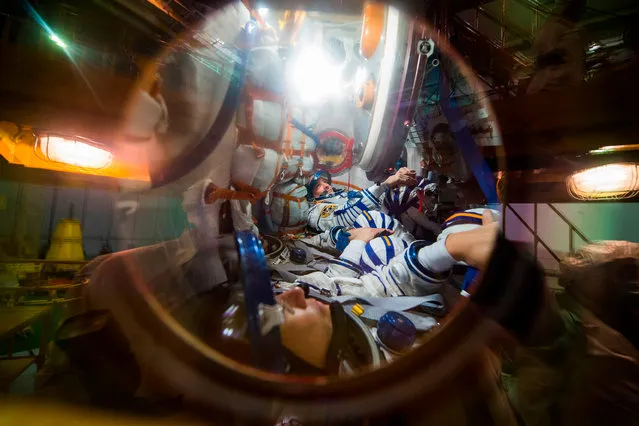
x=313, y=77
x=614, y=148
x=263, y=11
x=57, y=40
x=76, y=152
x=608, y=182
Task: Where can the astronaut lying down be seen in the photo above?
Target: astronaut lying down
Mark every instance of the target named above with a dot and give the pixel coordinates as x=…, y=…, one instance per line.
x=307, y=329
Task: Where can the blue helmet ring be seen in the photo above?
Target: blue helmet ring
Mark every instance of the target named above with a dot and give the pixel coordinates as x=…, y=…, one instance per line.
x=256, y=278
x=314, y=179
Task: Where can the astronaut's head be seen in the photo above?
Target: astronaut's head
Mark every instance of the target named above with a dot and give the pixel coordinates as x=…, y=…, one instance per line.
x=319, y=185
x=307, y=329
x=443, y=143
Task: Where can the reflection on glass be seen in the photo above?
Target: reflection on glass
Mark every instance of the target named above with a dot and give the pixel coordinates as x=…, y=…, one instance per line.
x=74, y=152
x=315, y=219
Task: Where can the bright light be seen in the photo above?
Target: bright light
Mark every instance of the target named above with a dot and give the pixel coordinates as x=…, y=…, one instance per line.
x=614, y=148
x=75, y=153
x=360, y=78
x=611, y=181
x=313, y=77
x=57, y=40
x=263, y=11
x=594, y=47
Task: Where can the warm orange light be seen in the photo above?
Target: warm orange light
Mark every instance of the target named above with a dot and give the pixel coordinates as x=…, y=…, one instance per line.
x=20, y=145
x=74, y=152
x=612, y=181
x=372, y=28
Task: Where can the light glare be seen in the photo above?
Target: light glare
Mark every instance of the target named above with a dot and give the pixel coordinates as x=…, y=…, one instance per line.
x=610, y=181
x=57, y=40
x=75, y=153
x=313, y=77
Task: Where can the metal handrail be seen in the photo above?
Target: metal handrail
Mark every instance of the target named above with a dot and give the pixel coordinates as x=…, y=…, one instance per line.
x=535, y=235
x=572, y=229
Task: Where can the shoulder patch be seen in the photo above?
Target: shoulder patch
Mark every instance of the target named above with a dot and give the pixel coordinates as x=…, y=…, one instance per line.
x=327, y=210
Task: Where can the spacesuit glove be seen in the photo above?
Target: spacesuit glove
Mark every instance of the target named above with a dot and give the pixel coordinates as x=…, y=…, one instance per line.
x=354, y=195
x=340, y=237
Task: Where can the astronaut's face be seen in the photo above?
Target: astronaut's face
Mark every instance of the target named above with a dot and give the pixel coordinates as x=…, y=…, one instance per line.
x=322, y=188
x=445, y=146
x=307, y=329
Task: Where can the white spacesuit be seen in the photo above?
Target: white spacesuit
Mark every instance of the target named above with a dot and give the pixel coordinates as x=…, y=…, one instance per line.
x=343, y=208
x=421, y=269
x=411, y=207
x=375, y=219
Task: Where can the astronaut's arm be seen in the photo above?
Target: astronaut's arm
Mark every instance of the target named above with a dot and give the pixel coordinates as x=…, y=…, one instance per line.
x=347, y=265
x=334, y=239
x=368, y=199
x=436, y=257
x=373, y=196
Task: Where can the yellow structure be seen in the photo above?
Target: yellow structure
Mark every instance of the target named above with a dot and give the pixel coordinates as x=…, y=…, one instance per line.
x=66, y=243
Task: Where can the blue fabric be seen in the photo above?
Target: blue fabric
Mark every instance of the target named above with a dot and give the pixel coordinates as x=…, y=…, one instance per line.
x=354, y=194
x=390, y=250
x=471, y=274
x=463, y=220
x=418, y=269
x=372, y=256
x=467, y=146
x=347, y=264
x=342, y=240
x=371, y=197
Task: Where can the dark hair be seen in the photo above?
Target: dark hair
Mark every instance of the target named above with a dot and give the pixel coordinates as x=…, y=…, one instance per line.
x=440, y=128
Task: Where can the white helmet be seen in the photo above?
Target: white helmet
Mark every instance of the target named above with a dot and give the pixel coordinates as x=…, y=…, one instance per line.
x=380, y=251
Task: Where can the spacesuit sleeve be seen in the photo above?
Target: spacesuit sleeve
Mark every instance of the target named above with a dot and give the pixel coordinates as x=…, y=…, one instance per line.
x=435, y=257
x=330, y=240
x=347, y=265
x=368, y=199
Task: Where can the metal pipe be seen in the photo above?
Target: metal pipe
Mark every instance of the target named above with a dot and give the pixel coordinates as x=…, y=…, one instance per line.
x=535, y=236
x=515, y=30
x=571, y=244
x=569, y=223
x=503, y=23
x=523, y=222
x=54, y=204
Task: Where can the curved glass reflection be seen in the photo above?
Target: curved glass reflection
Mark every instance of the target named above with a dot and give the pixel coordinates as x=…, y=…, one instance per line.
x=351, y=212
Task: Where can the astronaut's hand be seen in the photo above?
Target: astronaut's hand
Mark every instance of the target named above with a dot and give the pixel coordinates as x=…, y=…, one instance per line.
x=476, y=246
x=366, y=234
x=403, y=177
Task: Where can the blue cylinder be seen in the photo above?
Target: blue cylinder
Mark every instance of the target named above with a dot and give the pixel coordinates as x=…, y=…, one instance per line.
x=396, y=332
